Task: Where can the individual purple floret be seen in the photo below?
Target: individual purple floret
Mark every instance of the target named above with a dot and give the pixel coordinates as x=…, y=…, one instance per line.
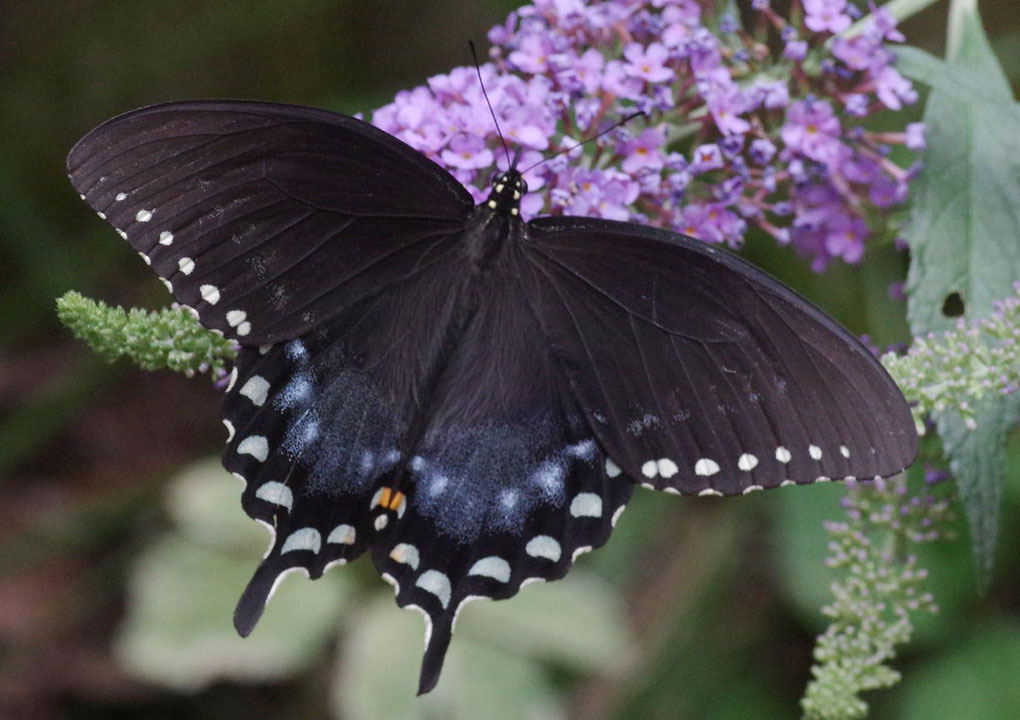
x=826, y=15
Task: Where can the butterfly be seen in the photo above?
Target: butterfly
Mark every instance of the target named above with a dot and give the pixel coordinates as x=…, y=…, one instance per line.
x=467, y=396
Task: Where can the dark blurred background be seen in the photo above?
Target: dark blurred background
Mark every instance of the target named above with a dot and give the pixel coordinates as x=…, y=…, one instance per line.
x=722, y=598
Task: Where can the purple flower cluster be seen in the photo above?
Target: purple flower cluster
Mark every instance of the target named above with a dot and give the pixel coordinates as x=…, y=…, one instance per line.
x=735, y=134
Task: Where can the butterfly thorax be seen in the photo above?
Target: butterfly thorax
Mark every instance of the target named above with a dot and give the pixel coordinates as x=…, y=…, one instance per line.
x=507, y=190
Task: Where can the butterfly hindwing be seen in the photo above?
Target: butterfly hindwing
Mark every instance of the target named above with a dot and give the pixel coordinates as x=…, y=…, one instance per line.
x=700, y=373
x=317, y=424
x=264, y=218
x=507, y=485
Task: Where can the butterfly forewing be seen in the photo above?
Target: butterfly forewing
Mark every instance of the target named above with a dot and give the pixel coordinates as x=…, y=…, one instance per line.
x=701, y=374
x=266, y=219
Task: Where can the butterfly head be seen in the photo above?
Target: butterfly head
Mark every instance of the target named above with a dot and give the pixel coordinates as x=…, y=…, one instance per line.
x=507, y=190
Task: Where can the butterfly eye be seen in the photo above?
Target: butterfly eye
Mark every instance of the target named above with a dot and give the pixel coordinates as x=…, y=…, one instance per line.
x=522, y=185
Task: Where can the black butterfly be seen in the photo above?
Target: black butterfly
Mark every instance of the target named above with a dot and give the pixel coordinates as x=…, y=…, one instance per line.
x=470, y=396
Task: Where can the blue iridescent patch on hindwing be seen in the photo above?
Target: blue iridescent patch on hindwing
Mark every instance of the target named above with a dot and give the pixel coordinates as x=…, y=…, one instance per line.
x=312, y=448
x=493, y=477
x=461, y=542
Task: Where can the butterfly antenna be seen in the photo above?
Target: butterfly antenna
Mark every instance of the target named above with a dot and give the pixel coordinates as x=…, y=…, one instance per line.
x=478, y=69
x=624, y=121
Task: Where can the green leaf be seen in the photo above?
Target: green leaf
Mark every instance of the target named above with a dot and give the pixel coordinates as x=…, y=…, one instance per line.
x=964, y=236
x=977, y=680
x=379, y=675
x=178, y=631
x=491, y=670
x=801, y=546
x=204, y=502
x=900, y=10
x=577, y=622
x=977, y=460
x=952, y=80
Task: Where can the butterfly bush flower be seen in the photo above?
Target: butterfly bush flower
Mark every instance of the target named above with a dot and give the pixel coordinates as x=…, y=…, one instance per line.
x=756, y=127
x=948, y=371
x=882, y=590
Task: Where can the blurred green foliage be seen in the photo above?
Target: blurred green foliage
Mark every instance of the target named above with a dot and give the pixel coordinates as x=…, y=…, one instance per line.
x=963, y=233
x=700, y=609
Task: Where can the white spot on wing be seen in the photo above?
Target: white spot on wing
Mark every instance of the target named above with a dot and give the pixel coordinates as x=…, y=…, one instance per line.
x=435, y=582
x=709, y=492
x=121, y=197
x=210, y=293
x=405, y=554
x=166, y=238
x=255, y=445
x=747, y=462
x=232, y=379
x=783, y=455
x=244, y=328
x=186, y=265
x=255, y=389
x=844, y=451
x=752, y=488
x=612, y=469
x=492, y=567
x=236, y=317
x=381, y=521
x=667, y=468
x=815, y=452
x=143, y=215
x=342, y=535
x=650, y=469
x=543, y=546
x=230, y=429
x=306, y=538
x=706, y=467
x=276, y=493
x=586, y=505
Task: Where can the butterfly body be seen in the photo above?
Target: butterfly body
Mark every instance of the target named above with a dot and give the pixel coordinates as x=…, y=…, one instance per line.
x=469, y=396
